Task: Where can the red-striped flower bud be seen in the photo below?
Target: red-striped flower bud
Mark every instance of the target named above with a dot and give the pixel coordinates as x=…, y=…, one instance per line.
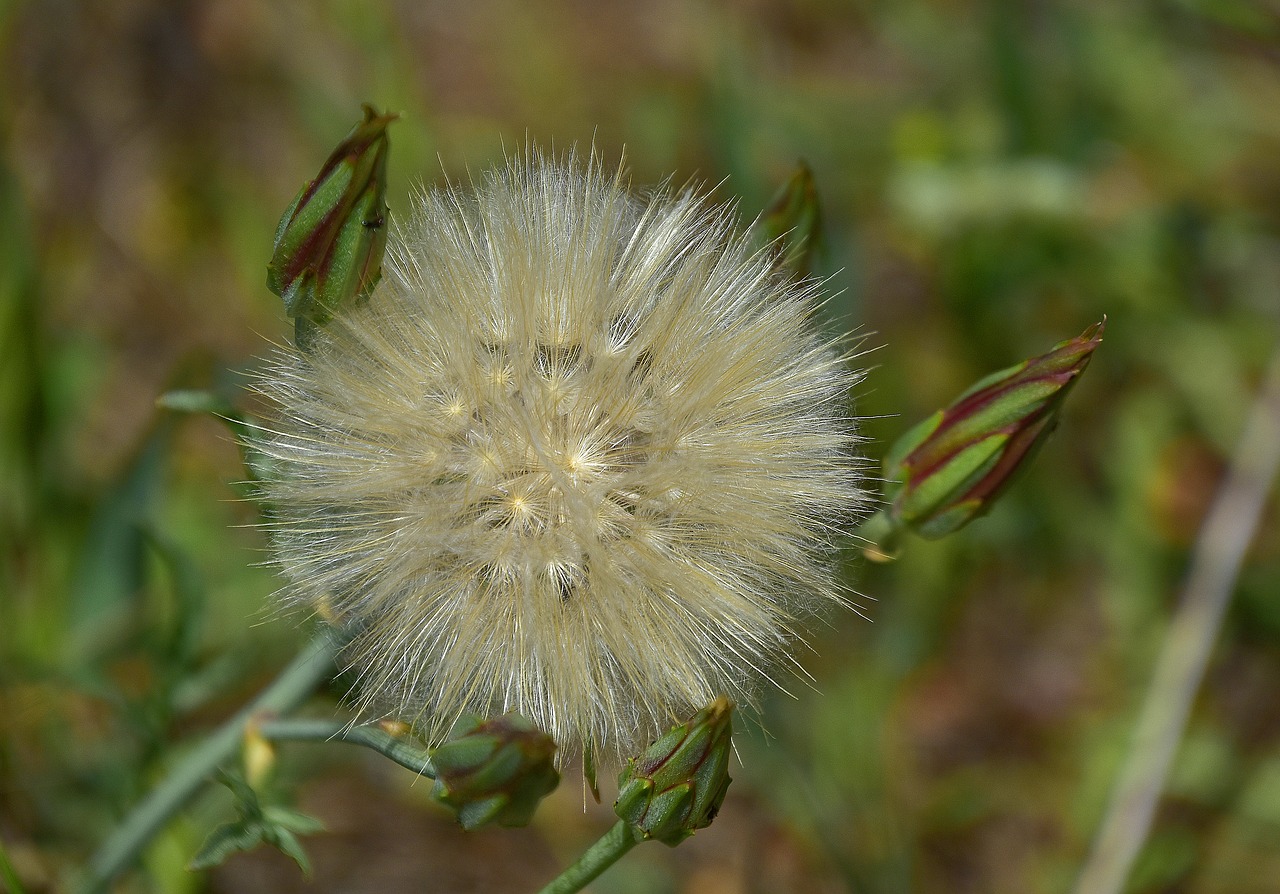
x=949, y=469
x=329, y=244
x=677, y=786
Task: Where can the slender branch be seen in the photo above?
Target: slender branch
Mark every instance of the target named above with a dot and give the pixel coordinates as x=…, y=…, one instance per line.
x=397, y=748
x=597, y=858
x=313, y=665
x=1215, y=564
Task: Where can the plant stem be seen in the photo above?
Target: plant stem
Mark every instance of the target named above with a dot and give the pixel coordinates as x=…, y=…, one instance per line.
x=397, y=748
x=597, y=858
x=1219, y=551
x=313, y=665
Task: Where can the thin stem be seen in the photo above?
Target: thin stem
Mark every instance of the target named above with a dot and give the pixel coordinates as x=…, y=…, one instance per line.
x=313, y=665
x=1215, y=564
x=597, y=858
x=397, y=748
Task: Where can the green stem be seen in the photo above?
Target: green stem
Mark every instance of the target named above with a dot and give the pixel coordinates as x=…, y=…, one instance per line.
x=599, y=857
x=397, y=748
x=313, y=665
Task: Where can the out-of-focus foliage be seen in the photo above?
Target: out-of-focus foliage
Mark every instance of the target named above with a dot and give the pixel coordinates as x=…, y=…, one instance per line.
x=994, y=176
x=257, y=824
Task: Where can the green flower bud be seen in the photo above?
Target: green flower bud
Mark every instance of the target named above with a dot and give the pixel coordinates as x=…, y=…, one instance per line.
x=679, y=783
x=495, y=772
x=329, y=244
x=949, y=469
x=793, y=221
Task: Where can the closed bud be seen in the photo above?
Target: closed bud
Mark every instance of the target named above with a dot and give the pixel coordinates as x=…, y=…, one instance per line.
x=677, y=786
x=949, y=469
x=793, y=221
x=329, y=245
x=495, y=772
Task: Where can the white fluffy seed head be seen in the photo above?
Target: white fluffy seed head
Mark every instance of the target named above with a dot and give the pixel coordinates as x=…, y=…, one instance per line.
x=582, y=455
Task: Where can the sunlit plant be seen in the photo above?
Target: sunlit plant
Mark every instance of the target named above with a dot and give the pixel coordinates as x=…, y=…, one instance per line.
x=564, y=467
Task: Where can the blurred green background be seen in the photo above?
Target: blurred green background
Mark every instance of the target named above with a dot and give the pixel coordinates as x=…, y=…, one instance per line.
x=995, y=177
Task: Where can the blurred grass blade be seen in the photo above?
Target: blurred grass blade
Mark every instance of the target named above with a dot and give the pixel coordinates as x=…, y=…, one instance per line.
x=26, y=418
x=1229, y=527
x=7, y=873
x=111, y=570
x=187, y=585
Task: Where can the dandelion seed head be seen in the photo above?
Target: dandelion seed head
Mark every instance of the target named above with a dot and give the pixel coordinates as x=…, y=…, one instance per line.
x=582, y=455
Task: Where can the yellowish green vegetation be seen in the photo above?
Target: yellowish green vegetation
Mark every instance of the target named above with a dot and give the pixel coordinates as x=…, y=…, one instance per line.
x=994, y=178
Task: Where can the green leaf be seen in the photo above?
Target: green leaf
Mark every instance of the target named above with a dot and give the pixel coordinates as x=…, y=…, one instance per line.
x=226, y=840
x=293, y=820
x=272, y=825
x=287, y=843
x=246, y=798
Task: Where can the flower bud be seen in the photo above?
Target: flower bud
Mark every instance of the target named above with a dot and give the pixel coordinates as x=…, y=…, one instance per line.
x=949, y=469
x=495, y=772
x=329, y=244
x=676, y=787
x=793, y=221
